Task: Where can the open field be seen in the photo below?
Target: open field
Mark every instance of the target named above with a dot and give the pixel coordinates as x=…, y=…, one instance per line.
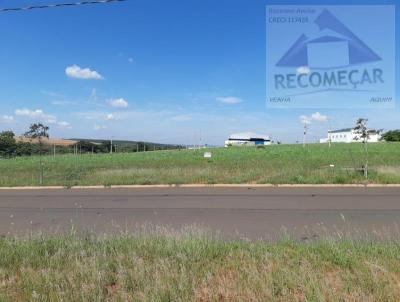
x=192, y=266
x=290, y=164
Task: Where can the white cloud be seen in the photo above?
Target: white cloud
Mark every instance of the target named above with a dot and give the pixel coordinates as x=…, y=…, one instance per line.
x=230, y=100
x=77, y=72
x=51, y=121
x=64, y=124
x=93, y=95
x=125, y=115
x=305, y=119
x=316, y=117
x=98, y=127
x=182, y=118
x=109, y=117
x=94, y=115
x=303, y=70
x=62, y=103
x=6, y=119
x=118, y=103
x=52, y=94
x=38, y=113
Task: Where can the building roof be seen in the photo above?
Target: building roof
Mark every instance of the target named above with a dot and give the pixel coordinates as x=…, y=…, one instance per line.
x=248, y=136
x=372, y=131
x=341, y=130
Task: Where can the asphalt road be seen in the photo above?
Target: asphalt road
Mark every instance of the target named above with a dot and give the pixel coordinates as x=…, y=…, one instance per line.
x=255, y=213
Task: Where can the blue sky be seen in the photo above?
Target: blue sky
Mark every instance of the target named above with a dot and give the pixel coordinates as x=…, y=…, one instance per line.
x=165, y=71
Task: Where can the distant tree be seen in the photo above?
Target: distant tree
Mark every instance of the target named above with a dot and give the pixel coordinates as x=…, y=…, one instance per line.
x=24, y=148
x=391, y=136
x=7, y=143
x=38, y=132
x=362, y=130
x=363, y=134
x=105, y=146
x=89, y=147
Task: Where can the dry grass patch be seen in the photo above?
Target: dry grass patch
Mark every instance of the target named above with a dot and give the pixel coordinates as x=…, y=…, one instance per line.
x=192, y=266
x=388, y=170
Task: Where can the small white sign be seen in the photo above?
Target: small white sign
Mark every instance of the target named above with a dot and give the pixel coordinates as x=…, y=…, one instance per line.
x=207, y=155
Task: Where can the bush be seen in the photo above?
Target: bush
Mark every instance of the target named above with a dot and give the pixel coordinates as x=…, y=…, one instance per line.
x=392, y=136
x=7, y=143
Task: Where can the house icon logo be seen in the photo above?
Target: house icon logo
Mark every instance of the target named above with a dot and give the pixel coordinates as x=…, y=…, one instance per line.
x=350, y=50
x=330, y=56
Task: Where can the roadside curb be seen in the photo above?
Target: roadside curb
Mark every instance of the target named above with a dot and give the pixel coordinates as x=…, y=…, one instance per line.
x=205, y=186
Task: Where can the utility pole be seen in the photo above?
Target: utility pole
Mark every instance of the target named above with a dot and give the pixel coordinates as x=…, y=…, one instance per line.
x=111, y=150
x=200, y=141
x=363, y=134
x=54, y=150
x=305, y=134
x=330, y=132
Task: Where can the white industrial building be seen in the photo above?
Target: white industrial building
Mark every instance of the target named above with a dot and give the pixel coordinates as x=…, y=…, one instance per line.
x=350, y=135
x=248, y=139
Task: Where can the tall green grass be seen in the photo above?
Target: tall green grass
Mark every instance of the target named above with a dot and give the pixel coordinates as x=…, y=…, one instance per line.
x=192, y=266
x=276, y=164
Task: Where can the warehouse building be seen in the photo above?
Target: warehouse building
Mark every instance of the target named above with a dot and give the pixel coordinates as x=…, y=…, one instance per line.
x=247, y=139
x=350, y=135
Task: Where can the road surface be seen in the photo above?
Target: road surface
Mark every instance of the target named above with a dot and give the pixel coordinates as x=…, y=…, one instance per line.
x=255, y=213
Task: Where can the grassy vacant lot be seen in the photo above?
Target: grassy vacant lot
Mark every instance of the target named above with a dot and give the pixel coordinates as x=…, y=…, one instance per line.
x=272, y=164
x=195, y=267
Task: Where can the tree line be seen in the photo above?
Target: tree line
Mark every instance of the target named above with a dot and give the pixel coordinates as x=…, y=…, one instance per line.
x=391, y=136
x=35, y=144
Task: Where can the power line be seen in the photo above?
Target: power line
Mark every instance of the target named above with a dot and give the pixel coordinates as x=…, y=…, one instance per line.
x=13, y=9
